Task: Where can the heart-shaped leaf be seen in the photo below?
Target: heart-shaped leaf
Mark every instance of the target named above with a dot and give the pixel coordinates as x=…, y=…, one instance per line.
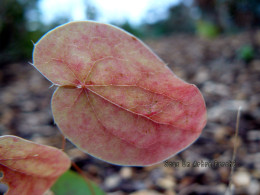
x=116, y=99
x=30, y=168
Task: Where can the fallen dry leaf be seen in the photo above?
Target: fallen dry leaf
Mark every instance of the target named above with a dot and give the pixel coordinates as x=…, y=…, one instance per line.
x=116, y=100
x=29, y=168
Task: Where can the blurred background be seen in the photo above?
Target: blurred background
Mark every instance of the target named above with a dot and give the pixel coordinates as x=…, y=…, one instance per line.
x=213, y=44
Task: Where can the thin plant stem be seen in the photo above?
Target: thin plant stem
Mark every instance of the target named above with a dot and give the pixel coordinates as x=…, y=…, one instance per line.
x=230, y=189
x=63, y=145
x=77, y=167
x=84, y=176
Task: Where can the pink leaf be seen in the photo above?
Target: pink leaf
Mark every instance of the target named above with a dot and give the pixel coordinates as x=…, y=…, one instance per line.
x=116, y=99
x=30, y=168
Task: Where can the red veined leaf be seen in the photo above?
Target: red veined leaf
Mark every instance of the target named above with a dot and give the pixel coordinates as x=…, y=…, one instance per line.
x=116, y=100
x=30, y=168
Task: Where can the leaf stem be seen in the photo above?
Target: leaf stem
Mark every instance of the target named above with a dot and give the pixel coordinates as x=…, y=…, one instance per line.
x=63, y=143
x=79, y=170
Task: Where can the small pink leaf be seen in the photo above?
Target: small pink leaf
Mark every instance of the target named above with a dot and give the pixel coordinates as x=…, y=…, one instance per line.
x=30, y=168
x=116, y=99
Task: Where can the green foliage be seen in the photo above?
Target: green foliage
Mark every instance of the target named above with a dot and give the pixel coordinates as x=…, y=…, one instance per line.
x=137, y=31
x=73, y=183
x=246, y=53
x=178, y=21
x=207, y=29
x=15, y=39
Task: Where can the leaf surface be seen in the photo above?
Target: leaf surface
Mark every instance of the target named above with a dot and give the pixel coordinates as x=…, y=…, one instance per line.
x=73, y=183
x=116, y=99
x=30, y=168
